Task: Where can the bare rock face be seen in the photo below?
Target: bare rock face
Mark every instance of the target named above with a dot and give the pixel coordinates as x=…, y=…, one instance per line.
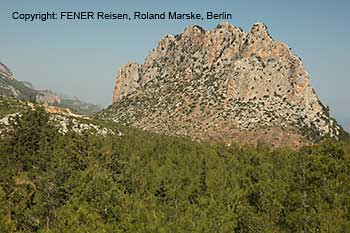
x=224, y=84
x=128, y=81
x=4, y=71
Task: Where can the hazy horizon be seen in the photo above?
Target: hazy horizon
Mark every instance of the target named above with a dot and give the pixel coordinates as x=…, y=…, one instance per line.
x=82, y=58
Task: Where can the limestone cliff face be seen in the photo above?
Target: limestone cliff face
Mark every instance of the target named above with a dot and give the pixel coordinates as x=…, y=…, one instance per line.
x=128, y=80
x=221, y=84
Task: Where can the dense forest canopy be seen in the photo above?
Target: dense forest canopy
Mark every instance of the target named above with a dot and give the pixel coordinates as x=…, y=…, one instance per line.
x=143, y=182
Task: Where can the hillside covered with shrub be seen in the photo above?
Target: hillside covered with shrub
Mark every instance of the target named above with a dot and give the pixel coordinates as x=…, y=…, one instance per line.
x=144, y=182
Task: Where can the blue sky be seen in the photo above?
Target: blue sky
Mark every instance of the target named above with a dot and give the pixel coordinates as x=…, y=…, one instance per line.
x=82, y=58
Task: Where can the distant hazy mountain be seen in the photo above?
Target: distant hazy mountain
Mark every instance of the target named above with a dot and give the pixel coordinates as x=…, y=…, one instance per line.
x=10, y=86
x=78, y=106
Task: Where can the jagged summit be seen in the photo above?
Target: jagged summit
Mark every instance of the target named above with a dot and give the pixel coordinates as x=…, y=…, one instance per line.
x=222, y=84
x=193, y=29
x=260, y=30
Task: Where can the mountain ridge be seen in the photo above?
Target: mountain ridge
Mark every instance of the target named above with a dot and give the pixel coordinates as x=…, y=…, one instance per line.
x=222, y=84
x=10, y=86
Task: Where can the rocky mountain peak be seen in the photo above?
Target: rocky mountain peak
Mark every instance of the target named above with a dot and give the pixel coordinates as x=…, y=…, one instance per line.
x=259, y=31
x=221, y=84
x=193, y=30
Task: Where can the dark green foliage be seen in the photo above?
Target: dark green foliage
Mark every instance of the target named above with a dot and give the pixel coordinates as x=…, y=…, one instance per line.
x=143, y=182
x=11, y=105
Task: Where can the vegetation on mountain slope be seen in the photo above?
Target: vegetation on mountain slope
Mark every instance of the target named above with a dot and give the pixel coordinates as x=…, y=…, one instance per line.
x=64, y=119
x=11, y=105
x=144, y=182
